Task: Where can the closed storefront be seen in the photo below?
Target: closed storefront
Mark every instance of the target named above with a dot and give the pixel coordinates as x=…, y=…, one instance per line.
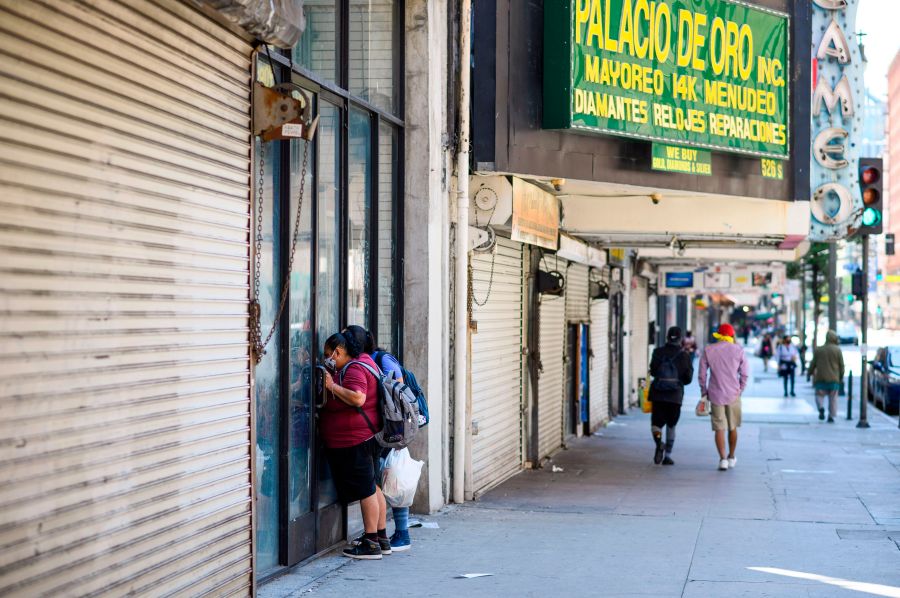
x=577, y=293
x=497, y=368
x=577, y=360
x=552, y=337
x=124, y=184
x=599, y=376
x=640, y=336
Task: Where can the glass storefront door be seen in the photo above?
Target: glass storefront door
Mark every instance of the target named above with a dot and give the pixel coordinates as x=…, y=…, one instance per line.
x=347, y=261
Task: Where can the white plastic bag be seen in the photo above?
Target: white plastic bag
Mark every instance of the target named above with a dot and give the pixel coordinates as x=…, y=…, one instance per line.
x=401, y=477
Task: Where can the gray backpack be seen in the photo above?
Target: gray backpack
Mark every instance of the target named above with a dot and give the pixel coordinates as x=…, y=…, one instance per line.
x=399, y=410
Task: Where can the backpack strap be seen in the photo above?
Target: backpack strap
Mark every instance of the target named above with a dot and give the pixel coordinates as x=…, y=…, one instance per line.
x=377, y=378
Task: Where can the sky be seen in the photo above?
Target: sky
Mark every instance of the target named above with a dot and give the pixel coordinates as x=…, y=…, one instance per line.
x=880, y=20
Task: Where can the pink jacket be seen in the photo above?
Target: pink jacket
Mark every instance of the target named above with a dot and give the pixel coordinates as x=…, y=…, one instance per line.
x=728, y=372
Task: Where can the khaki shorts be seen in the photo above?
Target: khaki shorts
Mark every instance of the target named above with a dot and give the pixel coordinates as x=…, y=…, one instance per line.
x=726, y=417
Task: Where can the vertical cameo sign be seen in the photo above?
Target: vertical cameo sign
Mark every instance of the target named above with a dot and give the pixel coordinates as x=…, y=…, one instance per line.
x=836, y=121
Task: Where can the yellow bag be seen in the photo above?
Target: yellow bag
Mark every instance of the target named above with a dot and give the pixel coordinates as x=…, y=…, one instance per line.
x=646, y=405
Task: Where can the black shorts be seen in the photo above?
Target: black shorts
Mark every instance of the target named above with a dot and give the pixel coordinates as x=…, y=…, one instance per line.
x=354, y=469
x=665, y=414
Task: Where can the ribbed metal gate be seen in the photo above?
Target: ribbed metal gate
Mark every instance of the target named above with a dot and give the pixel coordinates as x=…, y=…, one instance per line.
x=497, y=365
x=552, y=331
x=640, y=343
x=124, y=379
x=577, y=293
x=599, y=374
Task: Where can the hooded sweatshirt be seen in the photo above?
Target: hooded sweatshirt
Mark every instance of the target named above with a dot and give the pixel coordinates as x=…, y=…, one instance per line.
x=827, y=366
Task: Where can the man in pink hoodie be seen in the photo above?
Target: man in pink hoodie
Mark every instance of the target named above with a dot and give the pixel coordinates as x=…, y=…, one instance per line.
x=728, y=370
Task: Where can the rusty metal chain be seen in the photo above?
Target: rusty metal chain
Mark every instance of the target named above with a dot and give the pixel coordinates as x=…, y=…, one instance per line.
x=257, y=343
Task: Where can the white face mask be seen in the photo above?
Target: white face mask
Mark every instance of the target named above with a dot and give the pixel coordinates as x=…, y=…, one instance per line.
x=329, y=362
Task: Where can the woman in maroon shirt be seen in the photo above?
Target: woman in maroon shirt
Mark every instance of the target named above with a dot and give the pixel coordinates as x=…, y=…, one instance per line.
x=347, y=423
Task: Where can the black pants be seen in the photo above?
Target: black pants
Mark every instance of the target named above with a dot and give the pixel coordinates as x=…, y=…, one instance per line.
x=665, y=415
x=788, y=376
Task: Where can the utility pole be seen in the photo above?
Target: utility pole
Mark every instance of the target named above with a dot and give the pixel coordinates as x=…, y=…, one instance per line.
x=863, y=347
x=832, y=286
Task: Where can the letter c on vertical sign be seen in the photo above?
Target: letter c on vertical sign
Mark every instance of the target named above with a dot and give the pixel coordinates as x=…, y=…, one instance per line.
x=828, y=154
x=831, y=4
x=817, y=205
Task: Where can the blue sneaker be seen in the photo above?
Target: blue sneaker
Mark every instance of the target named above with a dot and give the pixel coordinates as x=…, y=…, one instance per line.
x=400, y=541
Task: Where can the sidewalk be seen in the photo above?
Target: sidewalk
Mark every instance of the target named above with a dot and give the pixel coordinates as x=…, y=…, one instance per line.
x=816, y=505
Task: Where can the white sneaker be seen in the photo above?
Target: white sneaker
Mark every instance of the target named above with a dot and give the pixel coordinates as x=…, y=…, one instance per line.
x=723, y=465
x=732, y=461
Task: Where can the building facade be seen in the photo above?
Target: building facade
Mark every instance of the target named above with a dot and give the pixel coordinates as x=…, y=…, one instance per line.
x=151, y=235
x=146, y=449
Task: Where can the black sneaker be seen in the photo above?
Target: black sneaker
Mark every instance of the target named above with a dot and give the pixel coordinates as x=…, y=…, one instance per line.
x=658, y=455
x=830, y=420
x=821, y=414
x=384, y=543
x=668, y=461
x=364, y=549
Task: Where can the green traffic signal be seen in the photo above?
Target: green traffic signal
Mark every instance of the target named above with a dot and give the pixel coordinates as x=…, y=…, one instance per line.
x=871, y=217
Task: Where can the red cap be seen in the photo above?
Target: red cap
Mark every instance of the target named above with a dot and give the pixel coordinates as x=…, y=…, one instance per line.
x=726, y=330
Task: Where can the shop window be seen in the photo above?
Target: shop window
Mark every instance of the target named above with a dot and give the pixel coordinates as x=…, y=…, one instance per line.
x=268, y=386
x=386, y=253
x=317, y=50
x=373, y=51
x=300, y=337
x=359, y=226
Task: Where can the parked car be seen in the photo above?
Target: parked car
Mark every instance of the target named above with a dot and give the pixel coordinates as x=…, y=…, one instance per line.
x=884, y=379
x=847, y=333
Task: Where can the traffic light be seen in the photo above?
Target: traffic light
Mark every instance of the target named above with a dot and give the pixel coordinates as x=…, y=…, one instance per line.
x=870, y=185
x=889, y=244
x=856, y=284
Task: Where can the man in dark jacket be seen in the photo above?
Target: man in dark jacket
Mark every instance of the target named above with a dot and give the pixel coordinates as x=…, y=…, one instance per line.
x=671, y=368
x=827, y=371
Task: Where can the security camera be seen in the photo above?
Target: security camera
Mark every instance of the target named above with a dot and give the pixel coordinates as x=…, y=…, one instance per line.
x=656, y=198
x=558, y=184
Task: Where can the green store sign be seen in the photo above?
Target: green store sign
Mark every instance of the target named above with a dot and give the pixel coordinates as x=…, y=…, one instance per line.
x=704, y=73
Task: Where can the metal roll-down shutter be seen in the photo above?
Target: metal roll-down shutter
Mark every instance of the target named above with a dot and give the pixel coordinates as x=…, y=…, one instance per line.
x=640, y=340
x=552, y=332
x=598, y=379
x=577, y=293
x=124, y=373
x=497, y=365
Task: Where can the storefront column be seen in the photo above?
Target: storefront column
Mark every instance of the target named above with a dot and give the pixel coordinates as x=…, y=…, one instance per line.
x=426, y=226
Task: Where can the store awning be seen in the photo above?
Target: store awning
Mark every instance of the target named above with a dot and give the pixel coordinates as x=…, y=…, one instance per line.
x=684, y=224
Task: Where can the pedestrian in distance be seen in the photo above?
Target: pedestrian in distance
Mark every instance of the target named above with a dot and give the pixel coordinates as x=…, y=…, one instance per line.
x=672, y=368
x=722, y=375
x=390, y=366
x=745, y=332
x=347, y=419
x=689, y=344
x=765, y=351
x=787, y=357
x=827, y=371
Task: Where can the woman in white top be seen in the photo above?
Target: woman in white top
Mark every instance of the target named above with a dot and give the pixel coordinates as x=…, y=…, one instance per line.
x=787, y=357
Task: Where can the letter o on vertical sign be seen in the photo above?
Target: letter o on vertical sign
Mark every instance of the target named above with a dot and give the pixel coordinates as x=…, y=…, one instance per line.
x=817, y=206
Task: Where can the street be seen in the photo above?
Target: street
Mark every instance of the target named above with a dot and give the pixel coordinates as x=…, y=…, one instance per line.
x=811, y=509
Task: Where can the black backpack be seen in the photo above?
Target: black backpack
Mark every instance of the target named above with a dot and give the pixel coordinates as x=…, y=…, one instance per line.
x=668, y=380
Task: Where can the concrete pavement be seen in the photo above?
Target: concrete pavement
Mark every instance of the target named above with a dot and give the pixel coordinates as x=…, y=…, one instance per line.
x=812, y=510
